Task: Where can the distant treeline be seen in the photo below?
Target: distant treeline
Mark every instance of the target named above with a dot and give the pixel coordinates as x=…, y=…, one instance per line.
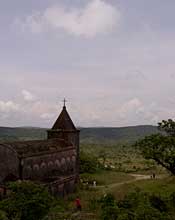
x=99, y=135
x=113, y=135
x=22, y=133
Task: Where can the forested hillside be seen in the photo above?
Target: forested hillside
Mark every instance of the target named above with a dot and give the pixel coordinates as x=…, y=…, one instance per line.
x=21, y=133
x=97, y=135
x=113, y=135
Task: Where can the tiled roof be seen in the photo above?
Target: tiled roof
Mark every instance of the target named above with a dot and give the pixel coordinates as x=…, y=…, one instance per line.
x=64, y=121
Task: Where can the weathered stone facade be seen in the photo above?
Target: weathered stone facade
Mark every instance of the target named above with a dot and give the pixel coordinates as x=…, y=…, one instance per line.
x=53, y=162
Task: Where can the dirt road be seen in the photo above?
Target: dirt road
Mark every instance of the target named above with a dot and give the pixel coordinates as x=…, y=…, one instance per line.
x=136, y=178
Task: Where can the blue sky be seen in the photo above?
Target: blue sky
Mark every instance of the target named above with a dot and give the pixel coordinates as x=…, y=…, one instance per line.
x=112, y=59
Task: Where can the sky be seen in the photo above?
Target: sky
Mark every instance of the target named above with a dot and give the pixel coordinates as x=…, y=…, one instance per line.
x=113, y=60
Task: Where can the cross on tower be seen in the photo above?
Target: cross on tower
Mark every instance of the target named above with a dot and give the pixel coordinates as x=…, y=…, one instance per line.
x=64, y=102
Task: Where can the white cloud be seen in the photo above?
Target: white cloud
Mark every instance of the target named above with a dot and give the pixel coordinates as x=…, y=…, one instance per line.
x=133, y=106
x=28, y=96
x=97, y=16
x=9, y=106
x=47, y=116
x=135, y=112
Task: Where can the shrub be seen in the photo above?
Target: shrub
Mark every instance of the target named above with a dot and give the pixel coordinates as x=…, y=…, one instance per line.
x=109, y=208
x=88, y=163
x=137, y=205
x=158, y=203
x=93, y=204
x=27, y=201
x=3, y=215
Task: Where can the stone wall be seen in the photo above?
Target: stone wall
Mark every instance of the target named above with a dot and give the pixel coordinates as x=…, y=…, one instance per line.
x=9, y=163
x=49, y=165
x=63, y=186
x=72, y=137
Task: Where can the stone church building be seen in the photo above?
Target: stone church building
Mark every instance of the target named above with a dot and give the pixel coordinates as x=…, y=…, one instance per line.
x=53, y=162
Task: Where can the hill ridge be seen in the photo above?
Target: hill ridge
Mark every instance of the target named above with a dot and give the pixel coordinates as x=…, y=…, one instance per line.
x=91, y=135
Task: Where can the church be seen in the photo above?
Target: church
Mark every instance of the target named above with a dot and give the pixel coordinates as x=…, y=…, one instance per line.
x=53, y=162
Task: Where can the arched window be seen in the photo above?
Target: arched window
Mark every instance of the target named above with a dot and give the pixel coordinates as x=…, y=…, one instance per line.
x=57, y=164
x=36, y=168
x=27, y=172
x=43, y=166
x=50, y=164
x=73, y=159
x=69, y=164
x=63, y=165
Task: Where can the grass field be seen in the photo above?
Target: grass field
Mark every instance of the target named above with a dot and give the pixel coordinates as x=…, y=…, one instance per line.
x=106, y=177
x=125, y=183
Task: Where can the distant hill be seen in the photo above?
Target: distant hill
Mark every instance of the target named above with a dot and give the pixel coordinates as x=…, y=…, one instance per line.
x=122, y=135
x=22, y=133
x=92, y=135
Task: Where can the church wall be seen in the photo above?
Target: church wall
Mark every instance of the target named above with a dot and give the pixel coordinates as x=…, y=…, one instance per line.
x=49, y=165
x=74, y=140
x=9, y=163
x=72, y=136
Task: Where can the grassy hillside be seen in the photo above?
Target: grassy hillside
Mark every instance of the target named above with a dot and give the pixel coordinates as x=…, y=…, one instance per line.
x=87, y=135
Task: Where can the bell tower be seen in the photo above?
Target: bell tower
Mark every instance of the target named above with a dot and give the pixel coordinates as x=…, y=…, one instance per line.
x=64, y=128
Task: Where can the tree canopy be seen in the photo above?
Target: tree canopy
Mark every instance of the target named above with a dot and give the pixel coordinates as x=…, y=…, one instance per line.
x=167, y=126
x=161, y=147
x=26, y=200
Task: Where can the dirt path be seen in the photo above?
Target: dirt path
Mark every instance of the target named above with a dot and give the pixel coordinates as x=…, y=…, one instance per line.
x=136, y=178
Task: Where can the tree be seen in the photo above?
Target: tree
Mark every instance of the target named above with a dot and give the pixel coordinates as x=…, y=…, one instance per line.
x=160, y=147
x=27, y=201
x=88, y=163
x=167, y=126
